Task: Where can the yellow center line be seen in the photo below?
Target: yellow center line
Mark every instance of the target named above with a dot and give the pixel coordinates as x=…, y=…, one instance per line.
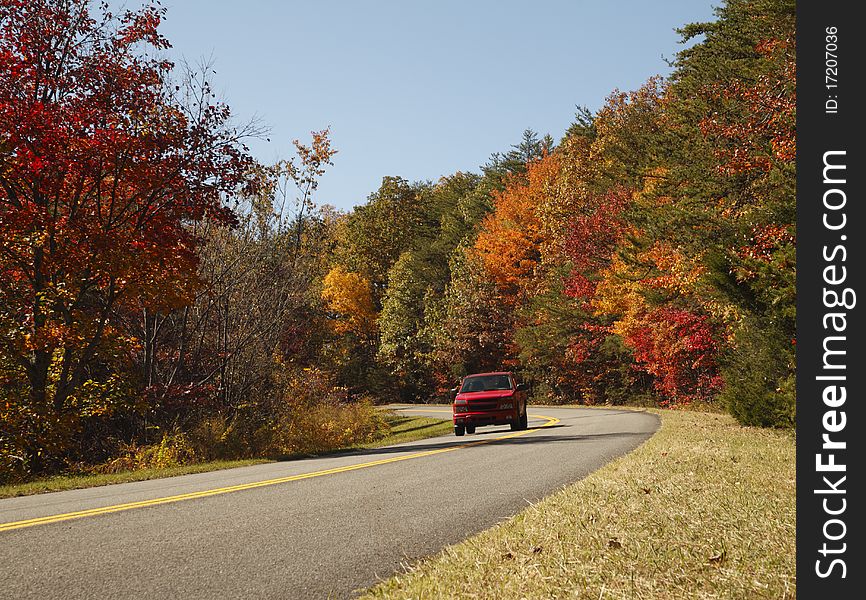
x=256, y=484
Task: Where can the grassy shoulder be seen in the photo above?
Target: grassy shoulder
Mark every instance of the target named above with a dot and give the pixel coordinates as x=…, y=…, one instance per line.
x=402, y=428
x=74, y=482
x=704, y=509
x=406, y=428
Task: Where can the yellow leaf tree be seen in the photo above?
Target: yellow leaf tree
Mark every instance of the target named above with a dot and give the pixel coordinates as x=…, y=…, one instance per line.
x=349, y=299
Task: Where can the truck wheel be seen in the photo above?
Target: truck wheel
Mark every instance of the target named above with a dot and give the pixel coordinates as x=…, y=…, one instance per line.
x=524, y=421
x=515, y=425
x=470, y=429
x=459, y=430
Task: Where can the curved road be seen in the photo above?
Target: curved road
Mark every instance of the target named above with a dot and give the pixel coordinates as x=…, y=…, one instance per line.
x=313, y=528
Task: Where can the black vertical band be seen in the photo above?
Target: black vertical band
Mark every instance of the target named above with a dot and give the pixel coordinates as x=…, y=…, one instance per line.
x=830, y=301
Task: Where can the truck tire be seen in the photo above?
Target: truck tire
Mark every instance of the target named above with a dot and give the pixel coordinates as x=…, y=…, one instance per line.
x=459, y=430
x=524, y=421
x=470, y=429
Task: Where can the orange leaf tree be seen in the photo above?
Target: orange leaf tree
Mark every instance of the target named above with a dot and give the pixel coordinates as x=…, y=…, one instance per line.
x=509, y=243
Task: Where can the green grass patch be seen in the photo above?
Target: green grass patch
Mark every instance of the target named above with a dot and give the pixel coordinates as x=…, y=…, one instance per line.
x=401, y=429
x=704, y=509
x=406, y=428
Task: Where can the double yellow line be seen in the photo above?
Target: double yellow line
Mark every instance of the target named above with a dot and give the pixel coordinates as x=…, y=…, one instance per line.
x=256, y=484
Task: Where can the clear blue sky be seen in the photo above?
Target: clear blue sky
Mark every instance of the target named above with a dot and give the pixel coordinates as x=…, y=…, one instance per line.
x=421, y=89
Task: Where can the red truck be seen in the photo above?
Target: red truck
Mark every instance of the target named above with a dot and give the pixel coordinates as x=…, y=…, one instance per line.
x=489, y=399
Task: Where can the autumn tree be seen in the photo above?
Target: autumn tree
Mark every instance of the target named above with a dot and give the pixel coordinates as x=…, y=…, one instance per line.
x=728, y=194
x=104, y=160
x=509, y=242
x=375, y=234
x=220, y=364
x=348, y=297
x=471, y=330
x=418, y=280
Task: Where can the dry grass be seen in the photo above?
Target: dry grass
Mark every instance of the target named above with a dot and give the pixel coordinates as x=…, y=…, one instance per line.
x=704, y=509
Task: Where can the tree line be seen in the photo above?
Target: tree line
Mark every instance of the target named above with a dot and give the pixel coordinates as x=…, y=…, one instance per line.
x=165, y=295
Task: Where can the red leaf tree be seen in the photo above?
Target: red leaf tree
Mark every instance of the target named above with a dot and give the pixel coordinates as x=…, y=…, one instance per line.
x=592, y=239
x=104, y=163
x=679, y=348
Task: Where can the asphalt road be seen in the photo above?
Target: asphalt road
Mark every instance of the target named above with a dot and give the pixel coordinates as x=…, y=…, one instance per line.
x=314, y=528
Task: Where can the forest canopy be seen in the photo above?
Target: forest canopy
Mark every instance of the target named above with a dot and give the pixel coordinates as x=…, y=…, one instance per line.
x=161, y=288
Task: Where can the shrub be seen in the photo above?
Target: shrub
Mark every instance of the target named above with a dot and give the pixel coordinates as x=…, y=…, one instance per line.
x=324, y=427
x=312, y=414
x=174, y=449
x=760, y=378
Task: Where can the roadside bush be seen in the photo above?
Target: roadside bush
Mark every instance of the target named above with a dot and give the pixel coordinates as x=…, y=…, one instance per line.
x=314, y=414
x=174, y=449
x=323, y=427
x=218, y=437
x=760, y=379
